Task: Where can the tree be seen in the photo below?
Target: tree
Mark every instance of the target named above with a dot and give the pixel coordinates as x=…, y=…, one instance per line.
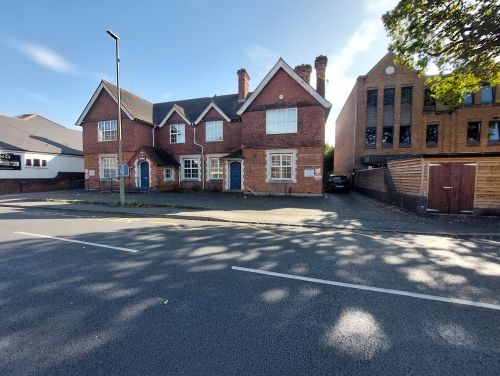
x=460, y=37
x=327, y=161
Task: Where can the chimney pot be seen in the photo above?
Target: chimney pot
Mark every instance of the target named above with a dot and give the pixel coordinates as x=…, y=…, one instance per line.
x=243, y=84
x=304, y=72
x=320, y=66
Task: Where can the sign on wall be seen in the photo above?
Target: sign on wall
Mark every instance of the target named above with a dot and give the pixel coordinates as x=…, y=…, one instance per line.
x=9, y=161
x=308, y=172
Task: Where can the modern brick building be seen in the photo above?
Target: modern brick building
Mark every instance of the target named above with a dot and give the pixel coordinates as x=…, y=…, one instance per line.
x=404, y=148
x=269, y=141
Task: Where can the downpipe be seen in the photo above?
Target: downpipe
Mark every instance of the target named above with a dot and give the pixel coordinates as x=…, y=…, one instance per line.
x=202, y=162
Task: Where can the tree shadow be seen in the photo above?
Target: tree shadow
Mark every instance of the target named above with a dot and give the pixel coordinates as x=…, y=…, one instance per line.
x=177, y=307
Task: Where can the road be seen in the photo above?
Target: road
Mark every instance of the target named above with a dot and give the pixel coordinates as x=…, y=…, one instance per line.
x=97, y=295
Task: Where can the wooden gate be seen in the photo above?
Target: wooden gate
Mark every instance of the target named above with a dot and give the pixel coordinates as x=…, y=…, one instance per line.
x=451, y=187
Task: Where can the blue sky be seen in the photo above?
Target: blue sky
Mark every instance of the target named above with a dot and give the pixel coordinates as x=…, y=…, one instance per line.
x=55, y=52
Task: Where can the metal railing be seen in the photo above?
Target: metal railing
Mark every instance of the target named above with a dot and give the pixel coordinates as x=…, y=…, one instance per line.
x=132, y=184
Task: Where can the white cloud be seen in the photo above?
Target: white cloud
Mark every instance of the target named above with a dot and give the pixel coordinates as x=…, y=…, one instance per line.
x=45, y=57
x=340, y=62
x=261, y=57
x=380, y=6
x=49, y=59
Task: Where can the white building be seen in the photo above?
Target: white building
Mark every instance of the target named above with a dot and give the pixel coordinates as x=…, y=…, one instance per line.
x=33, y=147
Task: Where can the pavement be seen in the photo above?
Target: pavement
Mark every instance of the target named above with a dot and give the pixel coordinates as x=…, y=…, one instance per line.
x=341, y=211
x=86, y=293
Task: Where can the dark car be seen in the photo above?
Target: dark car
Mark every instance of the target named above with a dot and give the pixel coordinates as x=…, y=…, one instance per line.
x=338, y=183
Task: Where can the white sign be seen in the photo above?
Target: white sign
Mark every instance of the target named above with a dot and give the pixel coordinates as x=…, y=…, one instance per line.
x=309, y=172
x=91, y=172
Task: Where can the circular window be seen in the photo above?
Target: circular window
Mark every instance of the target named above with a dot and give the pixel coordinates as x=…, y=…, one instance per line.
x=389, y=69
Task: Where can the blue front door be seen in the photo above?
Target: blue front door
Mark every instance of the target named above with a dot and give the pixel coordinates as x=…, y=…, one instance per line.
x=144, y=175
x=235, y=175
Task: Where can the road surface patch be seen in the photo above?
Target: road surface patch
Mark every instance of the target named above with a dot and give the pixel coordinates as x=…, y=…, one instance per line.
x=370, y=288
x=76, y=241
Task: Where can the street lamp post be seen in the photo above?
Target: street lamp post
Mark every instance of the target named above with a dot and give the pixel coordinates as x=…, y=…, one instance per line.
x=120, y=147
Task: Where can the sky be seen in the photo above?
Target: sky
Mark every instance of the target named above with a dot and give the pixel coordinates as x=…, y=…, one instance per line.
x=53, y=54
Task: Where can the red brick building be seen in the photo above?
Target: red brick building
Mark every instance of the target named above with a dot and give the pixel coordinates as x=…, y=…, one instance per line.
x=269, y=141
x=406, y=149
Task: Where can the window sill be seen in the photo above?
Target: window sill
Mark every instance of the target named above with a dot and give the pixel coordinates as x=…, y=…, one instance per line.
x=431, y=145
x=177, y=143
x=215, y=141
x=106, y=140
x=168, y=180
x=281, y=181
x=405, y=145
x=190, y=179
x=387, y=146
x=493, y=143
x=473, y=144
x=215, y=180
x=370, y=146
x=274, y=134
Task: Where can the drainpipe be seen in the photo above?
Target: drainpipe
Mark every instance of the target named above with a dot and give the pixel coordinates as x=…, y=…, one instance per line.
x=202, y=159
x=153, y=131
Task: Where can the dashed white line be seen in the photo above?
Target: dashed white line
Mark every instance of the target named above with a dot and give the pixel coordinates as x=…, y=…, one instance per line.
x=369, y=288
x=76, y=241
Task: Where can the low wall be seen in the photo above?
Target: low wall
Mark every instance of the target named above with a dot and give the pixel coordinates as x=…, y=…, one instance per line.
x=63, y=180
x=376, y=183
x=371, y=179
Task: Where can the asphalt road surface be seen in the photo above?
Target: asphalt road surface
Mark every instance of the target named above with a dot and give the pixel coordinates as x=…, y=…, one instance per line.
x=96, y=295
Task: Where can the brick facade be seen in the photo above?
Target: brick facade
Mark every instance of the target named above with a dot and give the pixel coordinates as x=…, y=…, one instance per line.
x=245, y=135
x=350, y=127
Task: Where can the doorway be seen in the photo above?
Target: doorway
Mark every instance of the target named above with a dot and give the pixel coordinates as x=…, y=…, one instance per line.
x=451, y=187
x=235, y=175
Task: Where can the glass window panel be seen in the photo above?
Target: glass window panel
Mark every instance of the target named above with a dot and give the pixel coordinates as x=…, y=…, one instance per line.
x=431, y=135
x=494, y=131
x=370, y=136
x=486, y=95
x=473, y=132
x=387, y=136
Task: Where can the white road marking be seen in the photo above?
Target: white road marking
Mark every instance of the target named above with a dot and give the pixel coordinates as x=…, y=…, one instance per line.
x=76, y=241
x=369, y=288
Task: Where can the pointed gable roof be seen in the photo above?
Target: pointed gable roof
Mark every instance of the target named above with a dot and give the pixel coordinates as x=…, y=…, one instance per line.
x=281, y=64
x=135, y=107
x=211, y=105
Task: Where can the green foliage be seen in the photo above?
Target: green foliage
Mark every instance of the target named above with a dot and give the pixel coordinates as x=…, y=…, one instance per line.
x=328, y=160
x=460, y=37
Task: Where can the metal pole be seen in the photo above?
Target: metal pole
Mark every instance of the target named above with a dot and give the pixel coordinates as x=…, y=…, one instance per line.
x=120, y=146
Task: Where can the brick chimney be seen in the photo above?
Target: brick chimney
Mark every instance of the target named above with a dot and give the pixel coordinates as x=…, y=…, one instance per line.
x=304, y=72
x=243, y=83
x=320, y=65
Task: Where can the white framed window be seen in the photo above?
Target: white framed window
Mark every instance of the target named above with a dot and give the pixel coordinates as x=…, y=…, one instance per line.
x=281, y=166
x=168, y=174
x=177, y=133
x=215, y=168
x=35, y=162
x=106, y=131
x=190, y=168
x=281, y=121
x=108, y=167
x=28, y=162
x=214, y=131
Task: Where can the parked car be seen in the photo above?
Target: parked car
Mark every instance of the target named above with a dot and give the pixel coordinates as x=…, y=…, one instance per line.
x=338, y=183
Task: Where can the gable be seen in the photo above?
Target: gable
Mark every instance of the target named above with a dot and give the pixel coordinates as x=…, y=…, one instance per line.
x=379, y=70
x=282, y=91
x=282, y=69
x=103, y=108
x=101, y=89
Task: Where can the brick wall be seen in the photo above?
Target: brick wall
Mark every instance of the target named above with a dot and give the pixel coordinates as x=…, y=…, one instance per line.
x=63, y=180
x=255, y=172
x=135, y=133
x=311, y=115
x=231, y=136
x=344, y=133
x=452, y=126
